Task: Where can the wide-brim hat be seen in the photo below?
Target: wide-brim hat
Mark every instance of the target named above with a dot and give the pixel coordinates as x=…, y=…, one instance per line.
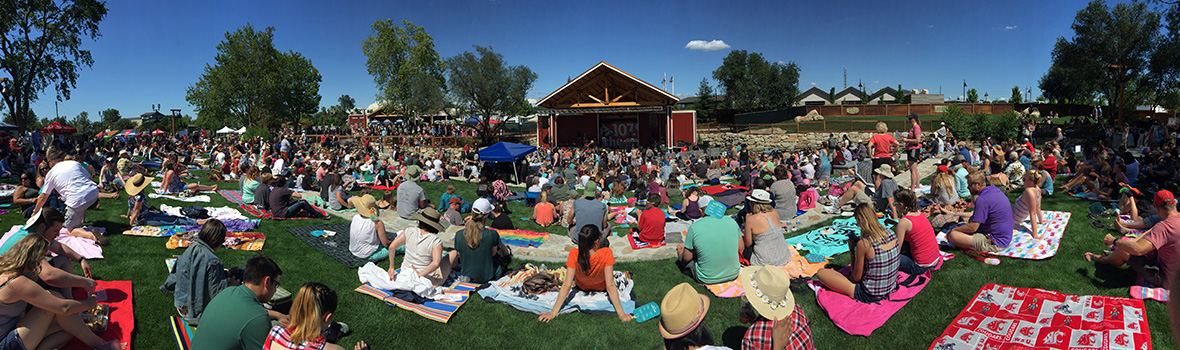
x=682, y=311
x=759, y=196
x=364, y=205
x=137, y=183
x=429, y=216
x=768, y=288
x=885, y=170
x=413, y=172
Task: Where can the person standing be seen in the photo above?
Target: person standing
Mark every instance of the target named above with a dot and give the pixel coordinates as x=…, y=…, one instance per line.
x=71, y=180
x=882, y=144
x=913, y=149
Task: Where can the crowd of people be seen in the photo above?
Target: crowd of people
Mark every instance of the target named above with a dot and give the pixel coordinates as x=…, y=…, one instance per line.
x=298, y=174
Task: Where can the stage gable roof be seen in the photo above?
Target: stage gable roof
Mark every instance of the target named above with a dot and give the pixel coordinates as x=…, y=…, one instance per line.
x=604, y=86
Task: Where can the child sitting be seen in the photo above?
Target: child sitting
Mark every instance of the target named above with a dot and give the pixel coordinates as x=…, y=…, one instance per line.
x=916, y=235
x=1028, y=205
x=651, y=222
x=592, y=268
x=543, y=212
x=875, y=261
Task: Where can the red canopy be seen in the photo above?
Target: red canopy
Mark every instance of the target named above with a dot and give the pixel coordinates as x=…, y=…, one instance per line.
x=58, y=128
x=158, y=132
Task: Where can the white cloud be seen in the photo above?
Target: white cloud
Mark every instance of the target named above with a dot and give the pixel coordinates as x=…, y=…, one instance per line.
x=1011, y=27
x=706, y=45
x=781, y=62
x=930, y=26
x=876, y=81
x=813, y=83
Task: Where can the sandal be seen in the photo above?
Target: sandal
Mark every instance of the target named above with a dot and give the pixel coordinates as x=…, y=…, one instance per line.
x=1100, y=225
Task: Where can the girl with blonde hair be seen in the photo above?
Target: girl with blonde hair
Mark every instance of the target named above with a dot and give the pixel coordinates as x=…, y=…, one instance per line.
x=875, y=261
x=311, y=316
x=1028, y=205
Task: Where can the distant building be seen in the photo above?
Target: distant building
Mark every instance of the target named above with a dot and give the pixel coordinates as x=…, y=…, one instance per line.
x=687, y=102
x=924, y=97
x=850, y=96
x=886, y=95
x=149, y=117
x=814, y=97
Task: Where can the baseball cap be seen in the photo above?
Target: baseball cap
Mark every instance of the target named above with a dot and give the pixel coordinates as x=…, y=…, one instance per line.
x=481, y=206
x=913, y=116
x=1164, y=197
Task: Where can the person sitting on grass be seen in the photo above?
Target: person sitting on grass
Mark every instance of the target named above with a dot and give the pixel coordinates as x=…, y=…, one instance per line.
x=919, y=247
x=34, y=318
x=250, y=184
x=544, y=212
x=338, y=199
x=424, y=250
x=880, y=197
x=172, y=183
x=876, y=257
x=108, y=178
x=682, y=315
x=198, y=274
x=367, y=238
x=592, y=268
x=452, y=215
x=989, y=229
x=138, y=212
x=311, y=324
x=710, y=251
x=57, y=272
x=1155, y=254
x=690, y=208
x=500, y=220
x=775, y=322
x=235, y=318
x=483, y=255
x=590, y=210
x=262, y=192
x=1028, y=205
x=410, y=196
x=285, y=203
x=618, y=193
x=451, y=193
x=762, y=237
x=1137, y=220
x=650, y=228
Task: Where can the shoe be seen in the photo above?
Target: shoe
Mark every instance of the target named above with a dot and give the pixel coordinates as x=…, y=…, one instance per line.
x=831, y=210
x=824, y=200
x=846, y=213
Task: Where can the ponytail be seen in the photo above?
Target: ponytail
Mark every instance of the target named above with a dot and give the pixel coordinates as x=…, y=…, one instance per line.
x=587, y=240
x=307, y=311
x=473, y=232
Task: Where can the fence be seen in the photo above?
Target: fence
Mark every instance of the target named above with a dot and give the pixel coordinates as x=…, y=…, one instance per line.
x=905, y=109
x=826, y=125
x=432, y=141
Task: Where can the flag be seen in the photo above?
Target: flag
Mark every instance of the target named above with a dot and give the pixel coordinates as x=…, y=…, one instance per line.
x=964, y=83
x=670, y=78
x=662, y=82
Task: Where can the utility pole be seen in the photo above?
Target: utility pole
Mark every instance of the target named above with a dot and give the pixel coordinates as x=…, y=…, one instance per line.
x=175, y=113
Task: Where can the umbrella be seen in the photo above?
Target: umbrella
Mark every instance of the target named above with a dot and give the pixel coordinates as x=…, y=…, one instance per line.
x=58, y=128
x=129, y=133
x=100, y=134
x=374, y=121
x=387, y=122
x=158, y=132
x=399, y=121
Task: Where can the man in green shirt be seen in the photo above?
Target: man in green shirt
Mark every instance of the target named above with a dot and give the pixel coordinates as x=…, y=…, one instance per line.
x=235, y=318
x=710, y=250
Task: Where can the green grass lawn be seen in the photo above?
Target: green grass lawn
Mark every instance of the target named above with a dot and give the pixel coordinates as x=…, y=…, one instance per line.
x=479, y=324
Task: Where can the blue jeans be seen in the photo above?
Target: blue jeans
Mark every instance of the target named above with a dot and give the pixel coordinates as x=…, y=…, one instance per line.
x=301, y=209
x=148, y=218
x=910, y=267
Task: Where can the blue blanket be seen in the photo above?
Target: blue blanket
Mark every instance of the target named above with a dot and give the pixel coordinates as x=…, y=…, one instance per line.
x=829, y=240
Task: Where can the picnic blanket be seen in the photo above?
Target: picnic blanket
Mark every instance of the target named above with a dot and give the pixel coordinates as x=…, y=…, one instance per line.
x=122, y=313
x=335, y=246
x=830, y=240
x=441, y=309
x=714, y=190
x=263, y=214
x=181, y=332
x=1092, y=196
x=250, y=241
x=219, y=213
x=731, y=198
x=1023, y=246
x=523, y=238
x=797, y=267
x=622, y=214
x=859, y=318
x=1000, y=317
x=148, y=231
x=385, y=188
x=86, y=247
x=513, y=294
x=192, y=199
x=633, y=238
x=233, y=196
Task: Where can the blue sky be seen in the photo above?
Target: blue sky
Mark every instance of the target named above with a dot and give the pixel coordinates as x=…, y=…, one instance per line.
x=151, y=51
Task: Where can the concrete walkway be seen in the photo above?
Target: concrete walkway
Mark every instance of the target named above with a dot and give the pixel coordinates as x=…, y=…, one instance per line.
x=557, y=247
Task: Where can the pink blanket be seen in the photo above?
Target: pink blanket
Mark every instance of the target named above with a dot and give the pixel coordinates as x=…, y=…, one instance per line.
x=859, y=318
x=83, y=246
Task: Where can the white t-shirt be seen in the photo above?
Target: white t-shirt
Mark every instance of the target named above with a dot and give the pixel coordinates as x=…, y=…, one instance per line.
x=278, y=167
x=72, y=181
x=362, y=237
x=808, y=171
x=437, y=164
x=419, y=247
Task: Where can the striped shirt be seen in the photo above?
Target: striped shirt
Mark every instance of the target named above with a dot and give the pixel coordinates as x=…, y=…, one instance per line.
x=279, y=335
x=880, y=275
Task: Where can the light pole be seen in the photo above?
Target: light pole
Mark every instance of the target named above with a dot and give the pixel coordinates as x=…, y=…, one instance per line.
x=175, y=113
x=985, y=98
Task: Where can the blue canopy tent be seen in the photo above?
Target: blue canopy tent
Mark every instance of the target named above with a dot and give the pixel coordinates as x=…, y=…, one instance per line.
x=506, y=152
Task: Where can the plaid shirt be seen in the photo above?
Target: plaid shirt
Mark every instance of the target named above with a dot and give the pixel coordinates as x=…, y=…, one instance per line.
x=279, y=335
x=758, y=337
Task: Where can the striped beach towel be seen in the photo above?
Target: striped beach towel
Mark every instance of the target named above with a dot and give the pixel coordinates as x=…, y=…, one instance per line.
x=248, y=241
x=633, y=238
x=263, y=214
x=233, y=196
x=440, y=311
x=182, y=333
x=522, y=238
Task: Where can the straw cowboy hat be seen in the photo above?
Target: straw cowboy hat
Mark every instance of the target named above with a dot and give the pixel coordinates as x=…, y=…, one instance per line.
x=681, y=311
x=768, y=288
x=429, y=216
x=137, y=183
x=364, y=205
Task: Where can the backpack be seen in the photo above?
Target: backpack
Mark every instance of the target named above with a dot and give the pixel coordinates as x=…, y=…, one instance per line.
x=196, y=212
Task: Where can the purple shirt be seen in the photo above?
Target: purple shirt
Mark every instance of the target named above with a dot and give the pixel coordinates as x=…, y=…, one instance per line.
x=993, y=212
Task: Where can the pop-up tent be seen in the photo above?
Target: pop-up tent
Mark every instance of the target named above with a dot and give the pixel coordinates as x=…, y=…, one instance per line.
x=506, y=152
x=225, y=130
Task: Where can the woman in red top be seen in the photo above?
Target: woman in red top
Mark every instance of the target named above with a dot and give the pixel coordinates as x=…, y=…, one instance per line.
x=593, y=269
x=919, y=248
x=882, y=144
x=651, y=221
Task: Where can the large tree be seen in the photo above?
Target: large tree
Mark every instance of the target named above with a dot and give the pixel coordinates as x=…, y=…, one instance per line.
x=109, y=116
x=41, y=47
x=491, y=86
x=406, y=68
x=254, y=83
x=1165, y=61
x=705, y=106
x=750, y=83
x=1110, y=48
x=347, y=103
x=972, y=96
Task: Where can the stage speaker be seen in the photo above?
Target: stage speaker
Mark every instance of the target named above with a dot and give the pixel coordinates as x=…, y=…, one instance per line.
x=543, y=122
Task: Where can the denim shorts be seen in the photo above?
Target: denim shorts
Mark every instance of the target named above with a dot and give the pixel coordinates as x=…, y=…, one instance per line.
x=861, y=295
x=12, y=341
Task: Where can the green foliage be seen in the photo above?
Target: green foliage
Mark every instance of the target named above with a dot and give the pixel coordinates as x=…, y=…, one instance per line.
x=253, y=83
x=972, y=96
x=1016, y=96
x=82, y=123
x=492, y=88
x=1165, y=61
x=750, y=83
x=259, y=132
x=41, y=47
x=109, y=116
x=979, y=126
x=406, y=68
x=1110, y=46
x=705, y=106
x=347, y=103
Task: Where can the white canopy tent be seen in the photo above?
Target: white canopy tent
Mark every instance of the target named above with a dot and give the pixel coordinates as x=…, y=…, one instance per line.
x=225, y=130
x=241, y=131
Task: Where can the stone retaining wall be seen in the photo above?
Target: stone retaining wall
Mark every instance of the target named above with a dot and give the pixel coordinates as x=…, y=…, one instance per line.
x=776, y=139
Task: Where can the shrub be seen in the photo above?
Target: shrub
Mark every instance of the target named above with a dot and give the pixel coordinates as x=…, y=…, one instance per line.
x=979, y=126
x=262, y=133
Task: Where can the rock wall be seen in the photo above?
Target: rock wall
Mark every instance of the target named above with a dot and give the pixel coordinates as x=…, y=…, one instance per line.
x=776, y=139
